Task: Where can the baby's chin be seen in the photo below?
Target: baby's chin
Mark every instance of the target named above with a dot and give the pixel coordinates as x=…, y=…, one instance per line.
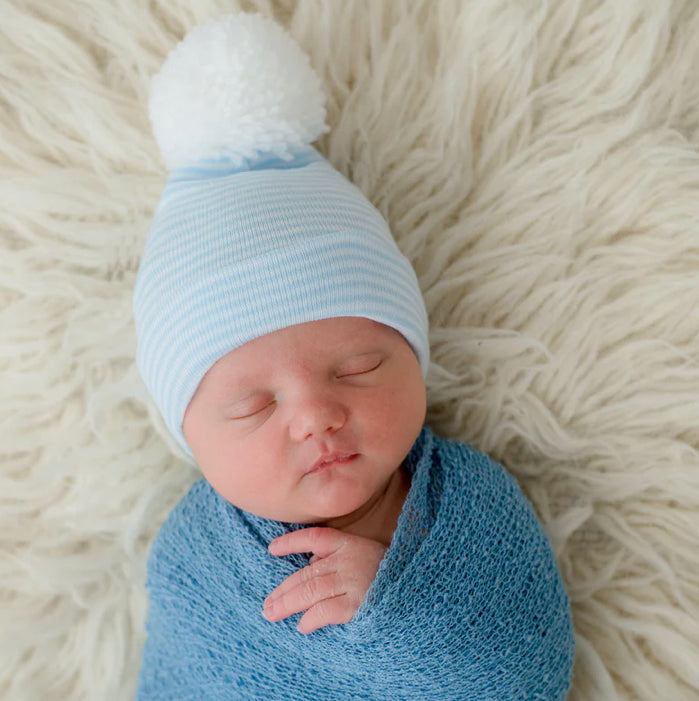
x=335, y=497
x=318, y=516
x=329, y=514
x=329, y=517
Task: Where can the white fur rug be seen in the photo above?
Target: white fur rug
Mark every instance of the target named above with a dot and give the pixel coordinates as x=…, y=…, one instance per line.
x=538, y=162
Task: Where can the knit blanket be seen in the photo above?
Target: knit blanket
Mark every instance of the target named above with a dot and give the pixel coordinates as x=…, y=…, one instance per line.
x=467, y=603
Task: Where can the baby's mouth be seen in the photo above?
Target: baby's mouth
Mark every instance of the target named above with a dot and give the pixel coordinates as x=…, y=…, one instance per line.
x=325, y=461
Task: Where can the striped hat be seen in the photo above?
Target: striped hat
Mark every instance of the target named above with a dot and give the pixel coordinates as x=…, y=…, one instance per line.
x=255, y=230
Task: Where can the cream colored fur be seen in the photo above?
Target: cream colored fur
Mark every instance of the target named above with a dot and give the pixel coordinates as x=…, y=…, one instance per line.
x=538, y=163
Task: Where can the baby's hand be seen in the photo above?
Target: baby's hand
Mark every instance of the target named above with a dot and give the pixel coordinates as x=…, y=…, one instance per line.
x=332, y=587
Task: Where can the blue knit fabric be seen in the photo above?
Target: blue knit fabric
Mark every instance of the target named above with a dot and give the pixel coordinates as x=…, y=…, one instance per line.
x=468, y=602
x=238, y=252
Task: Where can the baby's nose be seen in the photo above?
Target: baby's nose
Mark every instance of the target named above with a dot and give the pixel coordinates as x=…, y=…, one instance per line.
x=317, y=415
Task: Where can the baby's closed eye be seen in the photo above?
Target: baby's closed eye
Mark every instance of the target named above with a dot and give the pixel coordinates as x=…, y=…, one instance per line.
x=251, y=406
x=359, y=365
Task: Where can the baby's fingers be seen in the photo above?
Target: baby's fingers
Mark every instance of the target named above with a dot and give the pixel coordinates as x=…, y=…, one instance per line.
x=299, y=592
x=326, y=612
x=300, y=577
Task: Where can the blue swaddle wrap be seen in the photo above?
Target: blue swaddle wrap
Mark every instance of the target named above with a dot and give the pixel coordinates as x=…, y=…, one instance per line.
x=468, y=602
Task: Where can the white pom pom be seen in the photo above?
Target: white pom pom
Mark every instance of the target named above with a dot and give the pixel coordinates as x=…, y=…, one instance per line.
x=234, y=88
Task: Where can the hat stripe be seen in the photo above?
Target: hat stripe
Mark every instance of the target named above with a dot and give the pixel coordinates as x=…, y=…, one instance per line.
x=363, y=281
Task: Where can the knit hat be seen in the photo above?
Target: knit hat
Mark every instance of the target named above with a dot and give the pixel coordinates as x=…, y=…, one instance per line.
x=255, y=230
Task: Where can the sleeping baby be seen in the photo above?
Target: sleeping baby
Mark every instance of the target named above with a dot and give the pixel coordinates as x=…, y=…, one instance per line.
x=336, y=547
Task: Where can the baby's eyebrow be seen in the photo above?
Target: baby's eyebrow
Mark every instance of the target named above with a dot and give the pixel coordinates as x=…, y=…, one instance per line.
x=361, y=350
x=241, y=390
x=229, y=388
x=349, y=354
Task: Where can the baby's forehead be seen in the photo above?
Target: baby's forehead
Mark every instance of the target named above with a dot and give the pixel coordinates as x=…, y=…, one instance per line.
x=323, y=341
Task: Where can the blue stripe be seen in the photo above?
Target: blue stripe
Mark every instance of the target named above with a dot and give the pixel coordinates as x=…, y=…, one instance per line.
x=176, y=298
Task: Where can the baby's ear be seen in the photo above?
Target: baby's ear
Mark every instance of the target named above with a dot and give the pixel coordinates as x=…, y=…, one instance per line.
x=234, y=88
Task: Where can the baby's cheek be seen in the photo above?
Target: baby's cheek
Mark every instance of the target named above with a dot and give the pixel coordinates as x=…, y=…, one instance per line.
x=379, y=413
x=235, y=473
x=395, y=420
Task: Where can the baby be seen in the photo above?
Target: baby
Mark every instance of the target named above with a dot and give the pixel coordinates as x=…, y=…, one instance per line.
x=284, y=338
x=311, y=424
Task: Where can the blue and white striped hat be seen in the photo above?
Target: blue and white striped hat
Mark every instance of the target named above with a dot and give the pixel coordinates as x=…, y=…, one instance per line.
x=255, y=230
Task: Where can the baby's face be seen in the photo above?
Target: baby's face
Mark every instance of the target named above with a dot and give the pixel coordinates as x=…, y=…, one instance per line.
x=308, y=423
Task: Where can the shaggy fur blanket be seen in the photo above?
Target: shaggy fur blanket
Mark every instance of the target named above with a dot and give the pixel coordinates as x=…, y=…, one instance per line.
x=537, y=162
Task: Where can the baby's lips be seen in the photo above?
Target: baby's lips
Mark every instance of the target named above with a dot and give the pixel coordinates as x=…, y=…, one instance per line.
x=341, y=458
